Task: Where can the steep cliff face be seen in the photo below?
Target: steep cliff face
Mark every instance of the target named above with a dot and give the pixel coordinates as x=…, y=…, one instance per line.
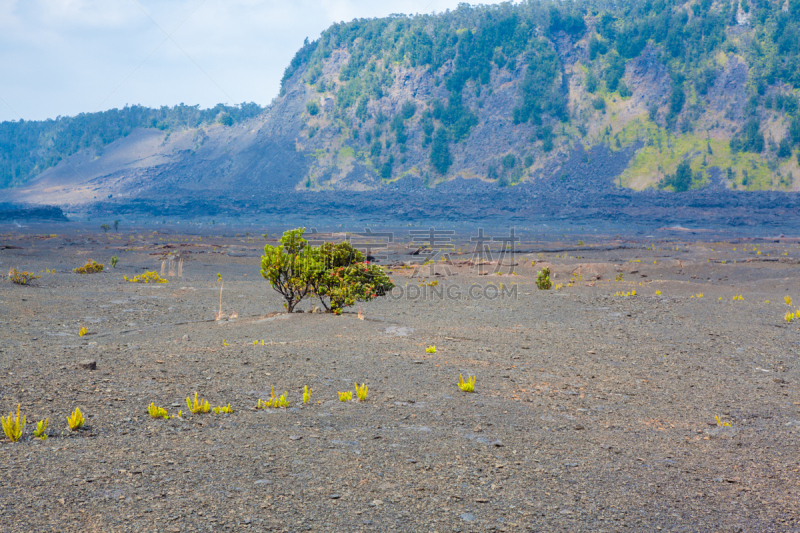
x=679, y=95
x=547, y=88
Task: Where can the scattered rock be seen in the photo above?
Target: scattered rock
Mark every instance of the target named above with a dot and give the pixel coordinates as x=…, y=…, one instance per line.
x=88, y=364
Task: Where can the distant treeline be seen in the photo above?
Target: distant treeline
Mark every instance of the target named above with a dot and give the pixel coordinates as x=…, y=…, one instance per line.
x=29, y=147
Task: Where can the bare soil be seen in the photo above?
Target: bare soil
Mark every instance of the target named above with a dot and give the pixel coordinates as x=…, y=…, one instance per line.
x=591, y=411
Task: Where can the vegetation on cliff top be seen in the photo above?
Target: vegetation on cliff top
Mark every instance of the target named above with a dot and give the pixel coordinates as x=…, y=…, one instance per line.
x=462, y=48
x=28, y=147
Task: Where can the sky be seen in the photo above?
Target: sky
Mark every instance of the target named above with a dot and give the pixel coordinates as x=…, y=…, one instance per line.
x=64, y=57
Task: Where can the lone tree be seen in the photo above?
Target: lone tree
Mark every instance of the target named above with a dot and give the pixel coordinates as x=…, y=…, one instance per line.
x=286, y=267
x=336, y=273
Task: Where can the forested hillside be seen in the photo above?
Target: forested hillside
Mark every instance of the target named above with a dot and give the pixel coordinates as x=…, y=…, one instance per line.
x=689, y=95
x=711, y=84
x=29, y=147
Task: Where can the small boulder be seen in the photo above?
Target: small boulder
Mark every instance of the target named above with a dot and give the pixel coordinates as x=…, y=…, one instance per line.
x=88, y=364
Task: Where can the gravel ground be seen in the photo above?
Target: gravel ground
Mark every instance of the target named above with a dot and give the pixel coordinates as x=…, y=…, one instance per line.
x=591, y=411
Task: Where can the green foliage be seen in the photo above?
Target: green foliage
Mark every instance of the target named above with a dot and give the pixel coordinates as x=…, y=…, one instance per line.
x=591, y=82
x=794, y=129
x=749, y=138
x=457, y=118
x=342, y=276
x=784, y=148
x=91, y=267
x=545, y=134
x=312, y=107
x=676, y=100
x=440, y=152
x=358, y=282
x=337, y=273
x=543, y=282
x=13, y=427
x=287, y=267
x=614, y=71
x=681, y=181
x=566, y=21
x=225, y=119
x=21, y=277
x=528, y=161
x=408, y=110
x=539, y=94
x=597, y=46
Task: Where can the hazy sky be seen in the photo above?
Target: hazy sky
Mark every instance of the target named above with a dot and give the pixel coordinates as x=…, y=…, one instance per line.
x=63, y=57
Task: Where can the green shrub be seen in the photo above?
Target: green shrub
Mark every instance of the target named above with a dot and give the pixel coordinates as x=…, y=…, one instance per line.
x=91, y=267
x=681, y=181
x=543, y=282
x=21, y=277
x=286, y=267
x=336, y=273
x=312, y=107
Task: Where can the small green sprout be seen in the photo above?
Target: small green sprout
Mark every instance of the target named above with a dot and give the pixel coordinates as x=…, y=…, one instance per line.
x=199, y=406
x=157, y=412
x=345, y=396
x=721, y=423
x=41, y=429
x=75, y=420
x=306, y=394
x=274, y=401
x=225, y=409
x=466, y=386
x=13, y=428
x=430, y=349
x=361, y=392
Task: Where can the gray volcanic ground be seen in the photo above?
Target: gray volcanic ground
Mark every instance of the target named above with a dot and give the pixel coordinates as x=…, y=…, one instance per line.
x=594, y=410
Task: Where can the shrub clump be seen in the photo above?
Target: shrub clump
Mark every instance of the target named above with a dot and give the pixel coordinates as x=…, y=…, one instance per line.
x=21, y=277
x=147, y=277
x=336, y=273
x=91, y=267
x=543, y=280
